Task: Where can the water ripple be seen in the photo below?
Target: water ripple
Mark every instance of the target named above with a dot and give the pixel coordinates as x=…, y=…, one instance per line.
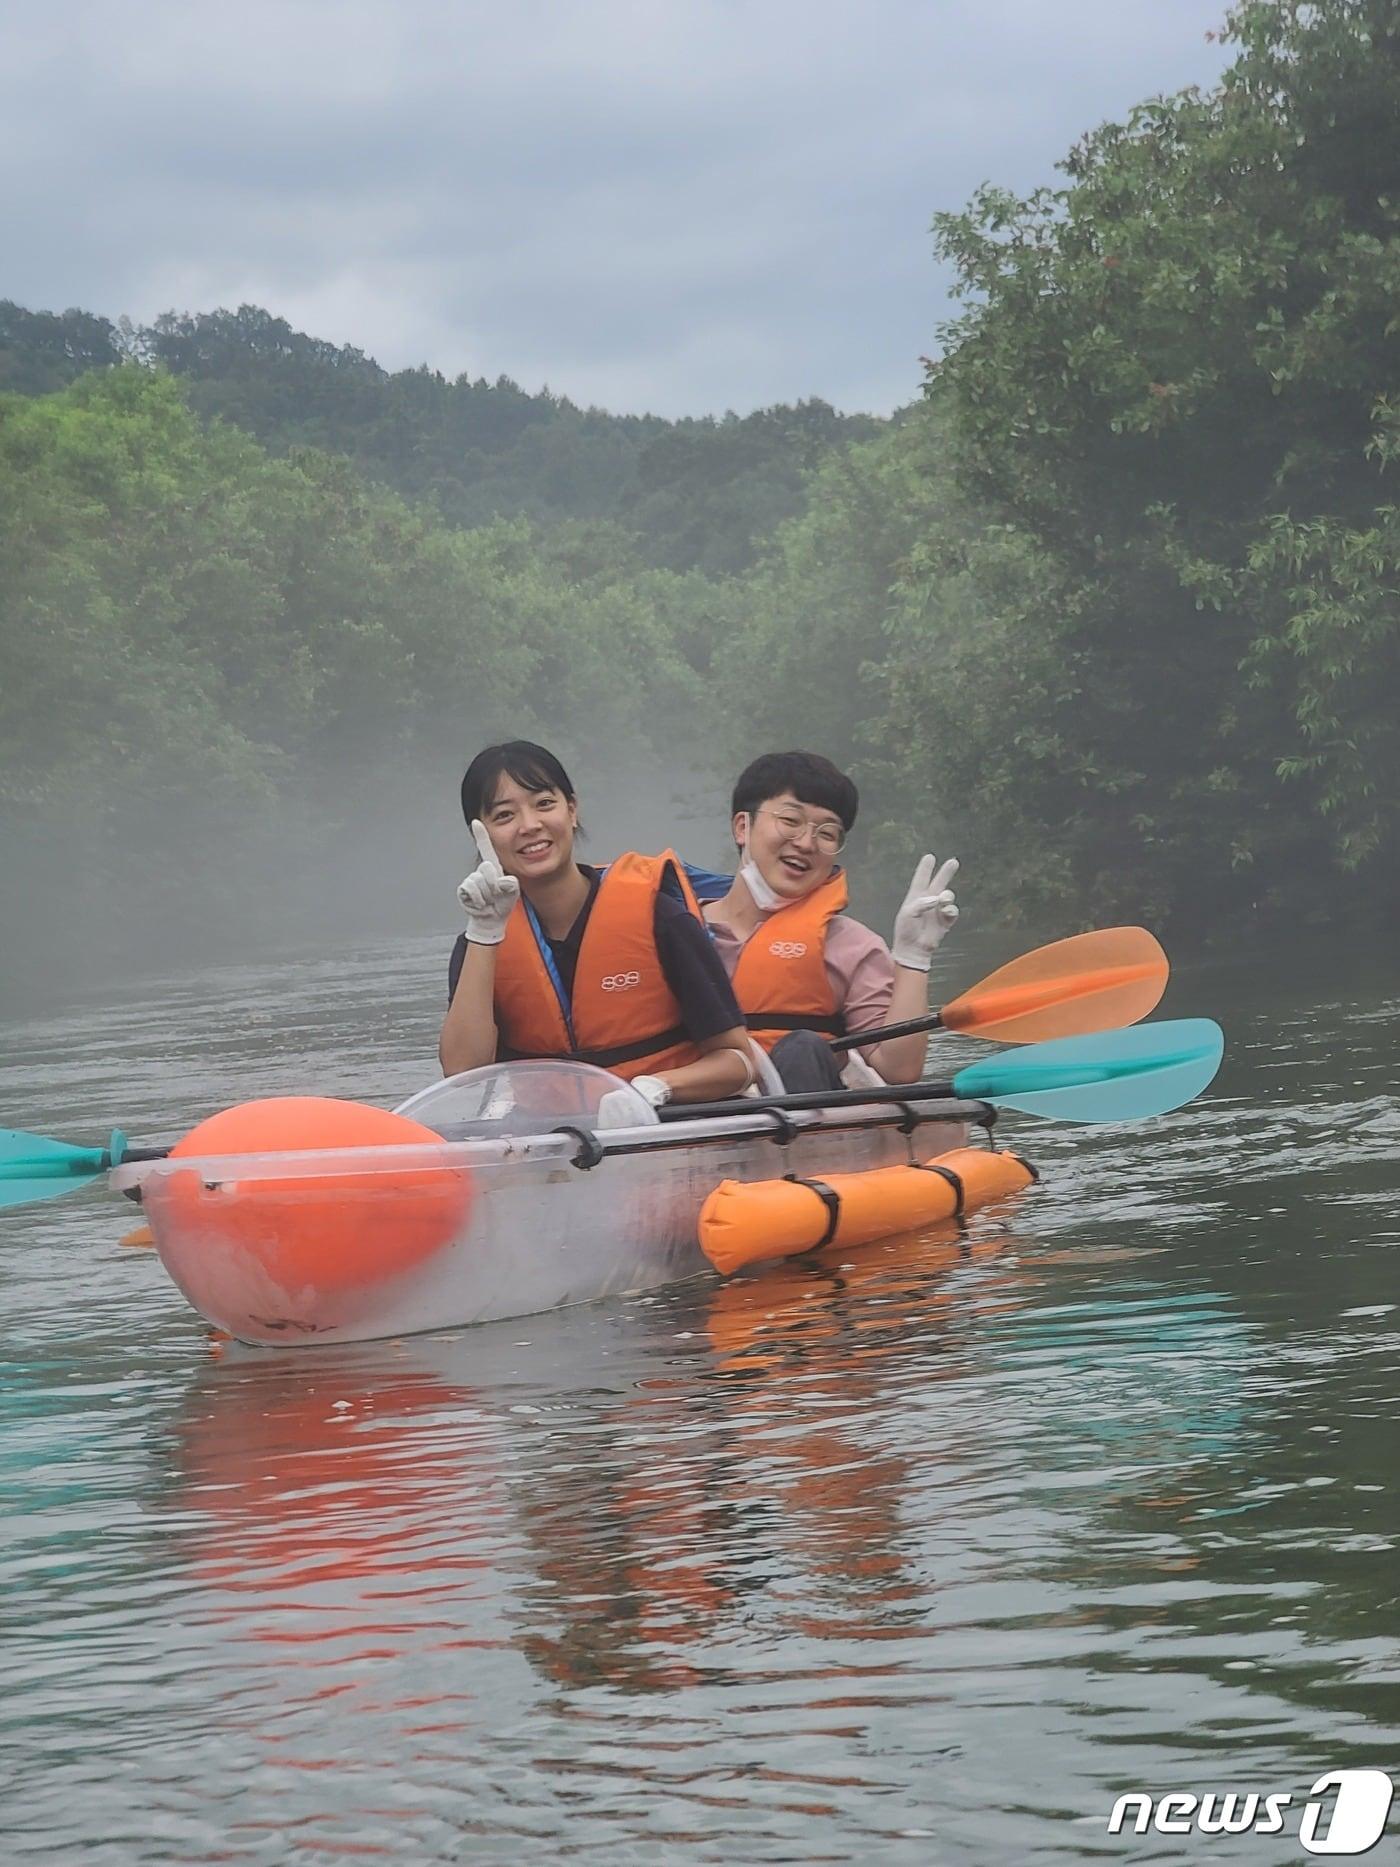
x=923, y=1556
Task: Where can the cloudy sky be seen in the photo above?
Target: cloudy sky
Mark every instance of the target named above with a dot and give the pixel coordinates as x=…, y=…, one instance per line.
x=675, y=205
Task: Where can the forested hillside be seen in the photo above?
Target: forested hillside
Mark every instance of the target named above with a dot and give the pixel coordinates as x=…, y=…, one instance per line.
x=696, y=494
x=223, y=669
x=1112, y=612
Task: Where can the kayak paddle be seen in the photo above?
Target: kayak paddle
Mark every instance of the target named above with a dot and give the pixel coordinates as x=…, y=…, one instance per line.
x=1089, y=982
x=33, y=1167
x=1107, y=1076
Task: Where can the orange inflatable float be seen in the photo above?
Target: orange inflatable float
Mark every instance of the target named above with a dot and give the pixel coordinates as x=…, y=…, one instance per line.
x=745, y=1223
x=329, y=1234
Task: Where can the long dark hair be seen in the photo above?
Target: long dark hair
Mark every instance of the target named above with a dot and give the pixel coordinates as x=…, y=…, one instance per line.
x=532, y=766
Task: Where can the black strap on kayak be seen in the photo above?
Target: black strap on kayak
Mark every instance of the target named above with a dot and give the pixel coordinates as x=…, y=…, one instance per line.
x=590, y=1149
x=954, y=1180
x=830, y=1198
x=834, y=1026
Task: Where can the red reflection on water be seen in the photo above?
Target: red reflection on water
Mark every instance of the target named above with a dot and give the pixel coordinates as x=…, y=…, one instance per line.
x=707, y=1488
x=338, y=1516
x=803, y=1339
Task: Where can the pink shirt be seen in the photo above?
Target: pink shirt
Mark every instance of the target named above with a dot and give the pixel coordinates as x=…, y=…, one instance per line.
x=858, y=964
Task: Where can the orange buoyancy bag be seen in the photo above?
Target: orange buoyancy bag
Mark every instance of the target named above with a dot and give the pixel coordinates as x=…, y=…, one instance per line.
x=623, y=1015
x=781, y=980
x=310, y=1238
x=747, y=1222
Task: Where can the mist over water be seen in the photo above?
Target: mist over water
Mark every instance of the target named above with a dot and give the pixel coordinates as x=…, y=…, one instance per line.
x=357, y=860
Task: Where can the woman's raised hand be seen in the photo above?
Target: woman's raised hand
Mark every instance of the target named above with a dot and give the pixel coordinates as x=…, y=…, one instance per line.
x=488, y=894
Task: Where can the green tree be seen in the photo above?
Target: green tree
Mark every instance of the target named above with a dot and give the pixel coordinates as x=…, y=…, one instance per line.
x=1175, y=378
x=41, y=351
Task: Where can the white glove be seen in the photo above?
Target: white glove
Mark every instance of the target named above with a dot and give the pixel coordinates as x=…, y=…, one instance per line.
x=928, y=914
x=618, y=1108
x=488, y=894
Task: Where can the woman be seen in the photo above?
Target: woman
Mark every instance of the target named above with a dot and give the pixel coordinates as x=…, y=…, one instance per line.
x=612, y=967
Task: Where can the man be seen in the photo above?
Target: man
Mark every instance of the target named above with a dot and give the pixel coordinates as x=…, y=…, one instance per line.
x=803, y=970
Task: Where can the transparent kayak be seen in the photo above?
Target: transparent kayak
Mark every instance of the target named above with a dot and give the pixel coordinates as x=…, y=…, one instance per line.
x=511, y=1212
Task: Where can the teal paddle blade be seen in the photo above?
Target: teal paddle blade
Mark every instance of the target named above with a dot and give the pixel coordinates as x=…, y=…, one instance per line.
x=34, y=1167
x=1109, y=1076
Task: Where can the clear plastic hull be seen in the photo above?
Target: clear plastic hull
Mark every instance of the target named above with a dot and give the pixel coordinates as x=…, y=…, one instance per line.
x=537, y=1232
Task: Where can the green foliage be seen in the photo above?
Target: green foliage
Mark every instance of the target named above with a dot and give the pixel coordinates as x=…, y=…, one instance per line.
x=40, y=351
x=96, y=489
x=816, y=607
x=896, y=630
x=206, y=648
x=312, y=612
x=1173, y=377
x=708, y=494
x=697, y=494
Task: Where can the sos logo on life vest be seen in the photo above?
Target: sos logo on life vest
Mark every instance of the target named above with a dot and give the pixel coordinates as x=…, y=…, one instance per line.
x=621, y=981
x=787, y=949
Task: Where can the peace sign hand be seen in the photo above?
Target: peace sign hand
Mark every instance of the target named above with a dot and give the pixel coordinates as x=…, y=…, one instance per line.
x=488, y=894
x=927, y=916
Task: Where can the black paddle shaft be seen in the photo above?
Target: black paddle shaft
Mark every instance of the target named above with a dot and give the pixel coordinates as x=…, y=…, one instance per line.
x=931, y=1021
x=820, y=1099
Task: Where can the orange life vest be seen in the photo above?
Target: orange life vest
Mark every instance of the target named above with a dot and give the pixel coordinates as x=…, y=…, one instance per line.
x=781, y=981
x=623, y=1016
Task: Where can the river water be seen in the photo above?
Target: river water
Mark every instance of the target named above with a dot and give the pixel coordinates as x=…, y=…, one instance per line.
x=924, y=1556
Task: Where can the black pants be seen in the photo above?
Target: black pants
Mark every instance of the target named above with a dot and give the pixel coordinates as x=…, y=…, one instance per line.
x=806, y=1062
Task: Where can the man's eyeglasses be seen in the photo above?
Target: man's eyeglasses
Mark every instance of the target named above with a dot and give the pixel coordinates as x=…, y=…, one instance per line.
x=830, y=838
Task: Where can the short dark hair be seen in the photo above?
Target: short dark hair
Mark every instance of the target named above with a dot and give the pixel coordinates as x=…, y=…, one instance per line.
x=532, y=766
x=810, y=777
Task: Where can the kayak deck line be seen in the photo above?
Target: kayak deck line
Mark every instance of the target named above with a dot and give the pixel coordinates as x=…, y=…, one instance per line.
x=564, y=1142
x=784, y=1127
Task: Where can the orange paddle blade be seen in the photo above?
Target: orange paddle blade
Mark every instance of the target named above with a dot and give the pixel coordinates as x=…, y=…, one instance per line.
x=1090, y=982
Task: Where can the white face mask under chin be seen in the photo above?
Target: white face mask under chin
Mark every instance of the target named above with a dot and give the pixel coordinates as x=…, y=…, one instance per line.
x=764, y=898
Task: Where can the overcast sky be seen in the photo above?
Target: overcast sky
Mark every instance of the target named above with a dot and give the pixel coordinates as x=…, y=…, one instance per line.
x=679, y=205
